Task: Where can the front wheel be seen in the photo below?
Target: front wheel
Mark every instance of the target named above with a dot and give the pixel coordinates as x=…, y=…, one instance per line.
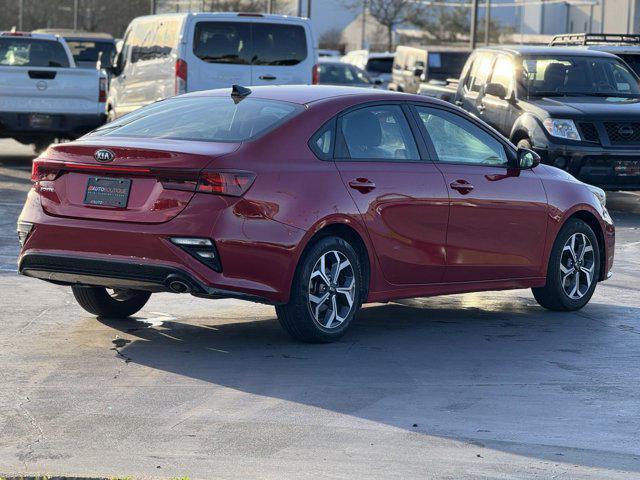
x=574, y=269
x=116, y=303
x=326, y=292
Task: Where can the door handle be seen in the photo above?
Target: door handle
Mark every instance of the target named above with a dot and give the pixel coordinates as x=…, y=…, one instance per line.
x=461, y=186
x=459, y=103
x=267, y=77
x=481, y=107
x=363, y=185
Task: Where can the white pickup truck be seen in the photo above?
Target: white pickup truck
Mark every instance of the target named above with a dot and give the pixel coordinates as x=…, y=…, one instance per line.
x=43, y=96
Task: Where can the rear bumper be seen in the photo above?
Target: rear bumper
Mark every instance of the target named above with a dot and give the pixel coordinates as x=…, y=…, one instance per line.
x=594, y=164
x=258, y=255
x=17, y=124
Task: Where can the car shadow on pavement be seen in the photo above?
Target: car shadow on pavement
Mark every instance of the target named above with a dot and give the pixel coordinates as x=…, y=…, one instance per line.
x=505, y=375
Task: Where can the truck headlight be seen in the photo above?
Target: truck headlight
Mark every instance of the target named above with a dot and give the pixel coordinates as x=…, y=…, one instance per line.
x=562, y=128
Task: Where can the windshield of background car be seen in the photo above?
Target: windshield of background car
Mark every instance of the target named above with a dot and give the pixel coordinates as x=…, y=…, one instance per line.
x=29, y=52
x=342, y=74
x=450, y=63
x=380, y=65
x=216, y=119
x=577, y=76
x=87, y=51
x=633, y=60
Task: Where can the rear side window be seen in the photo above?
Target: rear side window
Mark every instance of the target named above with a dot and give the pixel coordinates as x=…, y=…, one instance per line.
x=250, y=43
x=216, y=119
x=28, y=52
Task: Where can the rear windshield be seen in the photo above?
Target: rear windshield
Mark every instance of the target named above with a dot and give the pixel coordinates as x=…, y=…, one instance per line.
x=450, y=63
x=29, y=52
x=86, y=52
x=250, y=43
x=216, y=119
x=380, y=65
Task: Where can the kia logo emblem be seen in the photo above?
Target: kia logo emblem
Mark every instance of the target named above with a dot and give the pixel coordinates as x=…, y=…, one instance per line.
x=625, y=130
x=104, y=155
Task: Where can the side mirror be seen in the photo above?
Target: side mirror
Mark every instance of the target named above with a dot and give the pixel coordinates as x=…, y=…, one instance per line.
x=377, y=81
x=418, y=71
x=527, y=158
x=496, y=90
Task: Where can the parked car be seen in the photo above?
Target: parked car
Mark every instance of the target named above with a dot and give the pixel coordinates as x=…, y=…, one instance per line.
x=332, y=72
x=315, y=199
x=377, y=65
x=166, y=55
x=326, y=53
x=577, y=108
x=432, y=65
x=625, y=46
x=43, y=96
x=86, y=47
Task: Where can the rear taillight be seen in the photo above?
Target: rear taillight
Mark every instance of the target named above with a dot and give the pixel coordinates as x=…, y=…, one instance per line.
x=314, y=75
x=181, y=77
x=234, y=184
x=43, y=170
x=102, y=90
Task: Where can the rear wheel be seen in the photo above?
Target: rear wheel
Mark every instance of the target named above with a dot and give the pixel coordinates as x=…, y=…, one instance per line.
x=574, y=269
x=326, y=293
x=116, y=303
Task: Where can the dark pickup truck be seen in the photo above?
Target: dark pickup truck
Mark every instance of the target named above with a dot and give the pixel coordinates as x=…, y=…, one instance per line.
x=579, y=109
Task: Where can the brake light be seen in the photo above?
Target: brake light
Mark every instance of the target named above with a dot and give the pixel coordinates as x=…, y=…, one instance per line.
x=181, y=77
x=250, y=14
x=234, y=184
x=102, y=90
x=42, y=170
x=314, y=75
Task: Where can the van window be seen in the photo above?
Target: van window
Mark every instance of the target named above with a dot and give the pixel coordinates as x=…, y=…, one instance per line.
x=28, y=52
x=379, y=65
x=139, y=40
x=223, y=42
x=201, y=118
x=279, y=44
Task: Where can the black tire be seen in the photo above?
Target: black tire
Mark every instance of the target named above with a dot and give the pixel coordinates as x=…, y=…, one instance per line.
x=120, y=304
x=553, y=295
x=297, y=318
x=524, y=143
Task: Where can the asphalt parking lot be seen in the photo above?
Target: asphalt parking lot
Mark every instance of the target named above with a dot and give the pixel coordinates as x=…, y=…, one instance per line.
x=485, y=385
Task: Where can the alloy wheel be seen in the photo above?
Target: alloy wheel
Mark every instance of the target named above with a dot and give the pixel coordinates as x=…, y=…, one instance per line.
x=577, y=266
x=331, y=290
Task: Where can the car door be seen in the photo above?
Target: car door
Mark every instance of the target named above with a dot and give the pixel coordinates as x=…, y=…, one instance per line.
x=401, y=196
x=282, y=54
x=492, y=109
x=475, y=81
x=498, y=216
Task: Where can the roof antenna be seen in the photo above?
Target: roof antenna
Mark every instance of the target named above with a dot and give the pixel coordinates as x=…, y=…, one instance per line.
x=239, y=93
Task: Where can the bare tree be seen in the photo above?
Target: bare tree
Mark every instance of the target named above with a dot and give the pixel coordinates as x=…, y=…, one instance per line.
x=388, y=13
x=331, y=39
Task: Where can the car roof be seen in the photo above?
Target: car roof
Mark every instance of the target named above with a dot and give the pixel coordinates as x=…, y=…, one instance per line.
x=71, y=33
x=306, y=94
x=224, y=15
x=526, y=50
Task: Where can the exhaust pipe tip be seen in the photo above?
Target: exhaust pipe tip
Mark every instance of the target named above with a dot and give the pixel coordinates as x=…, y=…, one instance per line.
x=178, y=286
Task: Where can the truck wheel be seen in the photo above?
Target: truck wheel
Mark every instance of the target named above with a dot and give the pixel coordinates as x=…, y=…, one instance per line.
x=326, y=293
x=573, y=271
x=117, y=303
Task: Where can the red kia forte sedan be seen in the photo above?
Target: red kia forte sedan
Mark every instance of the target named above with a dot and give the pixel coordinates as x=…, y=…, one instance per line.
x=313, y=199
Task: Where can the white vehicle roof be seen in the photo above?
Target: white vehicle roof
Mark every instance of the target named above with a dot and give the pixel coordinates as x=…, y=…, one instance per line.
x=36, y=36
x=226, y=15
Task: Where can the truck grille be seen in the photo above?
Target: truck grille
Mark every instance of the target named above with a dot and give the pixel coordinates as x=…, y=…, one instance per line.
x=588, y=132
x=623, y=133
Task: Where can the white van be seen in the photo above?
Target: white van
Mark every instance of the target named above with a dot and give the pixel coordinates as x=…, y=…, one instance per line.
x=166, y=55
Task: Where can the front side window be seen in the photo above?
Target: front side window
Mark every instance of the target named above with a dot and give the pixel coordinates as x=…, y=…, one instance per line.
x=29, y=52
x=217, y=119
x=379, y=132
x=480, y=71
x=457, y=140
x=577, y=76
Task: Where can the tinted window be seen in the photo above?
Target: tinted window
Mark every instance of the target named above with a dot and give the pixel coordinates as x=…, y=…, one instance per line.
x=342, y=74
x=457, y=140
x=565, y=75
x=27, y=52
x=449, y=63
x=380, y=65
x=322, y=142
x=278, y=44
x=502, y=72
x=86, y=52
x=216, y=119
x=379, y=132
x=223, y=42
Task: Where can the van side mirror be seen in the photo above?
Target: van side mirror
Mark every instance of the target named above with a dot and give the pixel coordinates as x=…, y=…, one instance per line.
x=418, y=71
x=527, y=159
x=496, y=90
